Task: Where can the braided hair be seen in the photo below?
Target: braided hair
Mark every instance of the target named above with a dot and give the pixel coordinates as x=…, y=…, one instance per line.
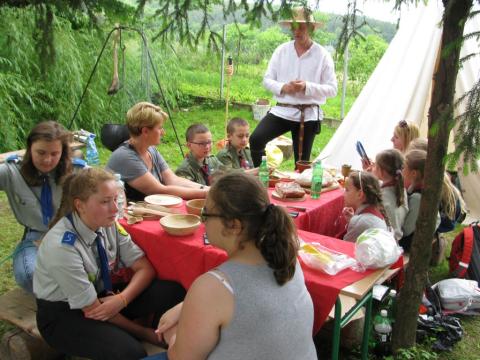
x=391, y=161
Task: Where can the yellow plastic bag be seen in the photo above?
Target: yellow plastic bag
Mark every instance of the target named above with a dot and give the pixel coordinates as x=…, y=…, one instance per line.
x=274, y=156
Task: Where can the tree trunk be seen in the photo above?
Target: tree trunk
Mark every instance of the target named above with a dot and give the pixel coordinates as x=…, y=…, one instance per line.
x=439, y=124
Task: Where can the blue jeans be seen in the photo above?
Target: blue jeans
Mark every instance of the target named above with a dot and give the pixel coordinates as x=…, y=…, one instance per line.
x=24, y=258
x=160, y=356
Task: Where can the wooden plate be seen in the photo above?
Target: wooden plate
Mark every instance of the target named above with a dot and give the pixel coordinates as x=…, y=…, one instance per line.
x=163, y=199
x=278, y=197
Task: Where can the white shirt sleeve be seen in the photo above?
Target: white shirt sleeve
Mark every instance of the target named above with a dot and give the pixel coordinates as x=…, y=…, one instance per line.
x=270, y=81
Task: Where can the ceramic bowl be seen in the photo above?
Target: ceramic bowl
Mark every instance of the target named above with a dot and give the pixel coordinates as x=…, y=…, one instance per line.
x=180, y=224
x=195, y=206
x=301, y=165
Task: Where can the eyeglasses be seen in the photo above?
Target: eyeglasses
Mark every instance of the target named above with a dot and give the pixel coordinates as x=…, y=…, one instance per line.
x=204, y=215
x=204, y=144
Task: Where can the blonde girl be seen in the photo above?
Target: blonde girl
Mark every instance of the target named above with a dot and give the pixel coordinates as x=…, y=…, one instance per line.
x=82, y=311
x=363, y=204
x=403, y=133
x=388, y=168
x=413, y=173
x=452, y=206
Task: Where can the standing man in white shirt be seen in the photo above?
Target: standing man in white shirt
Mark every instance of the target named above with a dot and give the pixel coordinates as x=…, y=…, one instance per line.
x=301, y=75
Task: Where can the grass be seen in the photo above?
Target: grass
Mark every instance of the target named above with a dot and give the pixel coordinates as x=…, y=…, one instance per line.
x=212, y=114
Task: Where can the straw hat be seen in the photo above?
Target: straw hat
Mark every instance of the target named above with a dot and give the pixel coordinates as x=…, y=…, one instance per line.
x=299, y=15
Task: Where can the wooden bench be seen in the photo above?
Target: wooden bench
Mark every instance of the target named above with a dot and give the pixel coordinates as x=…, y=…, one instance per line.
x=352, y=299
x=76, y=145
x=19, y=308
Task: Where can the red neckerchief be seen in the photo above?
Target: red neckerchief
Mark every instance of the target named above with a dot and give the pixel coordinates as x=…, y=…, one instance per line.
x=206, y=172
x=372, y=210
x=368, y=210
x=243, y=161
x=389, y=183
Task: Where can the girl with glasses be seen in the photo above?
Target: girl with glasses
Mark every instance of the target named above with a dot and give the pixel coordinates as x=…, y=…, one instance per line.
x=244, y=308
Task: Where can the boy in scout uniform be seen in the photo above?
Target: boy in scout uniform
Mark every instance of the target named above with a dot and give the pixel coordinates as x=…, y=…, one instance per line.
x=199, y=165
x=81, y=311
x=236, y=155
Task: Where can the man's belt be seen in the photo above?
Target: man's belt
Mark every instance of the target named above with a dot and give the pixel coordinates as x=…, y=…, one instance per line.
x=302, y=108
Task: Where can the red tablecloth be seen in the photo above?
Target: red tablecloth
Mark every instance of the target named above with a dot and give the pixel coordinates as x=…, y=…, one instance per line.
x=184, y=258
x=323, y=216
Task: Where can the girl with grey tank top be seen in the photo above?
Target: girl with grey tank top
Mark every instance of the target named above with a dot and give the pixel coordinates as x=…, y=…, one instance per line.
x=255, y=305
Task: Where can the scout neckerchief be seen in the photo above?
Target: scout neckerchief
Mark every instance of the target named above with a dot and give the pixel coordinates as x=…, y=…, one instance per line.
x=243, y=162
x=46, y=201
x=206, y=171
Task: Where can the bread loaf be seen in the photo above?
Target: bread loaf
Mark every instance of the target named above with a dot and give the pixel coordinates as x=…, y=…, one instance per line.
x=289, y=190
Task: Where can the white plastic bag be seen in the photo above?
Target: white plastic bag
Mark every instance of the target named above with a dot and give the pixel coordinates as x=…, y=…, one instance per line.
x=458, y=295
x=322, y=258
x=376, y=248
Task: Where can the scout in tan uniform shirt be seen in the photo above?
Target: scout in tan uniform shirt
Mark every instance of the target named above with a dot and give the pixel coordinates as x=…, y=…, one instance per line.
x=199, y=165
x=33, y=189
x=236, y=154
x=81, y=311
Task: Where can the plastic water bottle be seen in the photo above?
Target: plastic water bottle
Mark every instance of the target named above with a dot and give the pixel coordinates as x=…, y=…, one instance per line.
x=263, y=172
x=317, y=178
x=121, y=198
x=383, y=332
x=92, y=153
x=392, y=304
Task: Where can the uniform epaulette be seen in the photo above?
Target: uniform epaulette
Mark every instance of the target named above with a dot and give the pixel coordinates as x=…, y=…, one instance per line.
x=14, y=158
x=80, y=163
x=69, y=238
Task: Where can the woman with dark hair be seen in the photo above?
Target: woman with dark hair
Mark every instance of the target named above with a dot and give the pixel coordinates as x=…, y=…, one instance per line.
x=255, y=305
x=33, y=188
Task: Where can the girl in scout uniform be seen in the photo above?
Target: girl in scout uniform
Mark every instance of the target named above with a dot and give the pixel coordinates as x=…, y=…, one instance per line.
x=80, y=311
x=33, y=189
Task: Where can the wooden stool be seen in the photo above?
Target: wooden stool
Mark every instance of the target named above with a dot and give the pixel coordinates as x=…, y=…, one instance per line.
x=19, y=308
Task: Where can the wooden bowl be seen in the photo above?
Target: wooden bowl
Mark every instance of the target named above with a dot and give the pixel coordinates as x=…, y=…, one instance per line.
x=195, y=206
x=180, y=224
x=301, y=165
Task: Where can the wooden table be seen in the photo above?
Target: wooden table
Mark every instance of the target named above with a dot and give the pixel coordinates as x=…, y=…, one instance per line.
x=184, y=258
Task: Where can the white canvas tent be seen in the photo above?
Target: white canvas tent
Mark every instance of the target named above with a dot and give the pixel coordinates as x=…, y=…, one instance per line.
x=400, y=88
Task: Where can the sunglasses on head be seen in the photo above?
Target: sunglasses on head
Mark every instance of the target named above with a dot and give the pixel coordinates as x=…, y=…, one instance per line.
x=403, y=124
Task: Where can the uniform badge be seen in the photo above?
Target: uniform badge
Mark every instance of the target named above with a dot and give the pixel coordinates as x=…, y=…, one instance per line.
x=121, y=230
x=69, y=238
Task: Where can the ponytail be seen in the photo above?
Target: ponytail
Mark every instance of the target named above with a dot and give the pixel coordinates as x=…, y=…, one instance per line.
x=399, y=188
x=391, y=161
x=238, y=196
x=278, y=243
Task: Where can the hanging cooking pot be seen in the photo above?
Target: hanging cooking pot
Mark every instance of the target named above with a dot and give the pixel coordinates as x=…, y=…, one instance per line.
x=112, y=135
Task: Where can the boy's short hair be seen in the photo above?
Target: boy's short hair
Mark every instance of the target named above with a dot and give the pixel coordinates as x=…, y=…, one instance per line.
x=195, y=129
x=235, y=122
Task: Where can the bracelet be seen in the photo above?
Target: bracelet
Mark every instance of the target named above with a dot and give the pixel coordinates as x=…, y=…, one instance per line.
x=125, y=303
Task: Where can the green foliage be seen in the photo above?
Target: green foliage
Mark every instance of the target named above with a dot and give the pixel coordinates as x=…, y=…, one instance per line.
x=364, y=56
x=415, y=353
x=467, y=138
